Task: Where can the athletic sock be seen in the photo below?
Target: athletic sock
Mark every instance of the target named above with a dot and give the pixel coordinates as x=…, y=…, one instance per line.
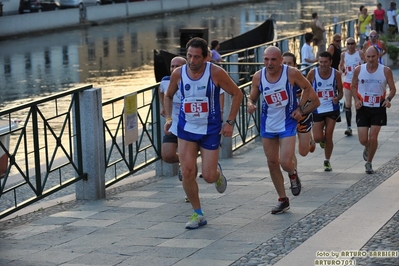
x=348, y=114
x=199, y=211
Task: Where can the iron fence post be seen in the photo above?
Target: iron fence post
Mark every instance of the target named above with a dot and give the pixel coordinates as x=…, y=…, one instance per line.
x=36, y=145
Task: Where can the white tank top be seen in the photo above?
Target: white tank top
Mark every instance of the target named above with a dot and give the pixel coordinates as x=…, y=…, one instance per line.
x=371, y=86
x=278, y=102
x=351, y=62
x=200, y=103
x=326, y=90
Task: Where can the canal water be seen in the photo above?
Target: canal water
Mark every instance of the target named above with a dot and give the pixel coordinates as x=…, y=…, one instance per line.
x=119, y=57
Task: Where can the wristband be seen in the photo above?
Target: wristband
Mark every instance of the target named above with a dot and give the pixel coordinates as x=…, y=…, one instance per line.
x=169, y=119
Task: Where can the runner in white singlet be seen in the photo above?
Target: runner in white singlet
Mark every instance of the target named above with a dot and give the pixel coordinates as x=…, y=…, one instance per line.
x=369, y=91
x=351, y=58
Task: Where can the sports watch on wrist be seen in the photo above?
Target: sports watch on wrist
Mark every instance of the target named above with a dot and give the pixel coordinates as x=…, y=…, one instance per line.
x=230, y=122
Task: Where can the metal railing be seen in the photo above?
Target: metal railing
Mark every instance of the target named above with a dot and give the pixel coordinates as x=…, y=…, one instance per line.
x=38, y=157
x=44, y=153
x=250, y=58
x=123, y=160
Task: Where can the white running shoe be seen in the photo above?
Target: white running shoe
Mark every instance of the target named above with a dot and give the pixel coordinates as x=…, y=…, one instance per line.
x=221, y=183
x=196, y=221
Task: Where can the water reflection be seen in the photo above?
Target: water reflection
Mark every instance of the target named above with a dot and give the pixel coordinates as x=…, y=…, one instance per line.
x=118, y=57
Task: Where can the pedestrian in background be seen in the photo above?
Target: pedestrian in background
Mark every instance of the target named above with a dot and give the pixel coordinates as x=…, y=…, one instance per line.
x=391, y=15
x=318, y=31
x=335, y=50
x=307, y=55
x=379, y=18
x=216, y=58
x=364, y=26
x=371, y=101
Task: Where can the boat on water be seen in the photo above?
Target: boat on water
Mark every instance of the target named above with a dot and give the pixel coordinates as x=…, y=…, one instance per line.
x=263, y=33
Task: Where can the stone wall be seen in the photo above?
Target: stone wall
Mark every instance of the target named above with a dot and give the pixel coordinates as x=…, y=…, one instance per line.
x=35, y=22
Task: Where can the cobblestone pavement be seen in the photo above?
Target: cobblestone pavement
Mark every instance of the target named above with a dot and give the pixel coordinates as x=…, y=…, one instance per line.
x=387, y=237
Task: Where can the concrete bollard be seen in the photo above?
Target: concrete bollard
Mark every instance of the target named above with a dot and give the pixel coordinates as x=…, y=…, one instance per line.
x=234, y=69
x=92, y=136
x=226, y=149
x=162, y=168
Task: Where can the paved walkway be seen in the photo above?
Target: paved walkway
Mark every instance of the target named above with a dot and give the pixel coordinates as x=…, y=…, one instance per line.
x=344, y=214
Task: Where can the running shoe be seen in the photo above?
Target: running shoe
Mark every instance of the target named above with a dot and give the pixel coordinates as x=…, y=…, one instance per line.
x=366, y=154
x=221, y=183
x=186, y=199
x=327, y=166
x=196, y=221
x=295, y=184
x=322, y=144
x=348, y=132
x=282, y=206
x=312, y=145
x=369, y=168
x=179, y=174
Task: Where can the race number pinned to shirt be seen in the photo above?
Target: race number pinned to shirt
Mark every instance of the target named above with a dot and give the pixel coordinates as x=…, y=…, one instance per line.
x=349, y=69
x=326, y=94
x=371, y=99
x=276, y=97
x=196, y=107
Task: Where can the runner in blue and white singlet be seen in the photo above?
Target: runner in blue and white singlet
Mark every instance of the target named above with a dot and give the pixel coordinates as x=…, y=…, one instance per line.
x=327, y=83
x=278, y=102
x=200, y=107
x=326, y=90
x=306, y=143
x=280, y=113
x=199, y=125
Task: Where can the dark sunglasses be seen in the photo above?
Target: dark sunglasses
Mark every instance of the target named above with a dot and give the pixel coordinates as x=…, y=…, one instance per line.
x=373, y=36
x=337, y=40
x=350, y=43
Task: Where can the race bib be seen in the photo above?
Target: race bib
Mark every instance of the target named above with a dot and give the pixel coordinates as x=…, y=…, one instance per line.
x=326, y=94
x=371, y=100
x=196, y=107
x=276, y=97
x=349, y=69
